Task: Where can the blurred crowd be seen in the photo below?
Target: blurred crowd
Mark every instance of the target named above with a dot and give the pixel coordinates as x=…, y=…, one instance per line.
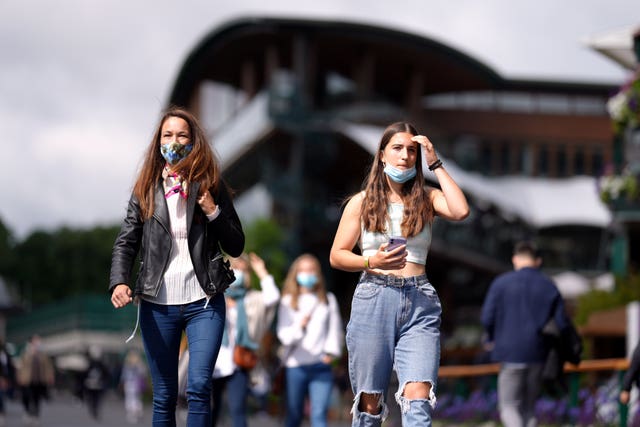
x=30, y=377
x=292, y=330
x=292, y=365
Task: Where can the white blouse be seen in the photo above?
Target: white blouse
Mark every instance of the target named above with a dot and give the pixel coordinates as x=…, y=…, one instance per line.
x=324, y=334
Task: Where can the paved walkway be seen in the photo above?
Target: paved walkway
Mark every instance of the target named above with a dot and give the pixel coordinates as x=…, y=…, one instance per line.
x=64, y=411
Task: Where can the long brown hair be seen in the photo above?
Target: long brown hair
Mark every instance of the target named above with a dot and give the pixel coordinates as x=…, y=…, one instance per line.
x=418, y=209
x=200, y=165
x=292, y=288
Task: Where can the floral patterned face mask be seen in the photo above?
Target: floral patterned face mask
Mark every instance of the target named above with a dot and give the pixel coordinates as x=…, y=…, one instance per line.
x=174, y=152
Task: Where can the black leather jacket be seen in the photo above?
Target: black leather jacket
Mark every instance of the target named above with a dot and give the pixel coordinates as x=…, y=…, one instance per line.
x=152, y=238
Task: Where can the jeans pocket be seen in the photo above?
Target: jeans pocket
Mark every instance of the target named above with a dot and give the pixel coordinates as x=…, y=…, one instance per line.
x=366, y=290
x=429, y=291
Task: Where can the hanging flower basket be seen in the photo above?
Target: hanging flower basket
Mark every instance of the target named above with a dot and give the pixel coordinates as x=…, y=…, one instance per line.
x=619, y=189
x=624, y=106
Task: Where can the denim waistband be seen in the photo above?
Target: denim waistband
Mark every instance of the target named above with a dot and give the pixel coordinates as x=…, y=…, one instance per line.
x=395, y=281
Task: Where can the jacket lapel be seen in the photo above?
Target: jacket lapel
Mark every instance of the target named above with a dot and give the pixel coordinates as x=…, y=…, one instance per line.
x=160, y=209
x=194, y=190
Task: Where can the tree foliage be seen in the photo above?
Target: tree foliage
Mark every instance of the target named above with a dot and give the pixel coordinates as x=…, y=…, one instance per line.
x=627, y=289
x=266, y=239
x=52, y=265
x=6, y=250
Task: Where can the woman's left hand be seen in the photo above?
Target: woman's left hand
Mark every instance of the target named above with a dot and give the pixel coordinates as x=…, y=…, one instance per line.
x=327, y=359
x=207, y=203
x=430, y=155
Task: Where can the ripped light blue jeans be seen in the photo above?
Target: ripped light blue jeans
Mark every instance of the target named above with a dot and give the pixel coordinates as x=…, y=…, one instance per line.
x=394, y=324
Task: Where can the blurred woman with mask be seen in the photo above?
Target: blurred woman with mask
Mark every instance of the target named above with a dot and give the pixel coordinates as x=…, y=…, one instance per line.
x=249, y=315
x=310, y=328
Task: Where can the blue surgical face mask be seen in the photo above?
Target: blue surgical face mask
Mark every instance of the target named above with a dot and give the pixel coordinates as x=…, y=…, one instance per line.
x=399, y=175
x=239, y=282
x=174, y=152
x=307, y=280
x=236, y=289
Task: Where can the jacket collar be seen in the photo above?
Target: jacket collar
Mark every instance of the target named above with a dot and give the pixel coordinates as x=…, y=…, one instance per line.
x=161, y=211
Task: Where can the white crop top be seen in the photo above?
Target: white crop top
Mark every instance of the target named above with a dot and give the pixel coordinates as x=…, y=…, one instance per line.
x=417, y=246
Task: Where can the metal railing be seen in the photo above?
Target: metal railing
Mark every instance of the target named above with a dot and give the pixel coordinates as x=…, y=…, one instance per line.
x=573, y=372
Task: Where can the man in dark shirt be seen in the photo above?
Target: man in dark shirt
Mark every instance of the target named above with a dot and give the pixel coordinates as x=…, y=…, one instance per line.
x=515, y=309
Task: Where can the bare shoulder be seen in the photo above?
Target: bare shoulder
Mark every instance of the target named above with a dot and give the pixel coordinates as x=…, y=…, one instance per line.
x=354, y=204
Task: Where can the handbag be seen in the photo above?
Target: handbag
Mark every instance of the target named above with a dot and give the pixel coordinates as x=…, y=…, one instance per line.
x=244, y=357
x=220, y=275
x=277, y=385
x=568, y=342
x=278, y=382
x=564, y=346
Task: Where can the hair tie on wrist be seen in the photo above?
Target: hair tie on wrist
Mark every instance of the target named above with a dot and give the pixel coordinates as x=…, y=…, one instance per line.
x=435, y=165
x=366, y=263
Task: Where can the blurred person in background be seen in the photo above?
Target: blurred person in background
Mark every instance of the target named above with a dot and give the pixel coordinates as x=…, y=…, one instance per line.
x=7, y=379
x=35, y=377
x=250, y=313
x=631, y=376
x=516, y=309
x=96, y=380
x=133, y=380
x=310, y=328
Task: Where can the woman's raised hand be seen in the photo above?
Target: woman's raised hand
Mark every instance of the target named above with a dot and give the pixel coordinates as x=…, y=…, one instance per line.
x=430, y=154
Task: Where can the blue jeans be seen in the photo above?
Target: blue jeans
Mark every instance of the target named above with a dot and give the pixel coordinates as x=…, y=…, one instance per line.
x=394, y=324
x=317, y=380
x=237, y=387
x=162, y=327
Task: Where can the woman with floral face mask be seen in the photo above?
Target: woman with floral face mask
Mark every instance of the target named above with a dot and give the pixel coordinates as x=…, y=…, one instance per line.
x=179, y=220
x=310, y=328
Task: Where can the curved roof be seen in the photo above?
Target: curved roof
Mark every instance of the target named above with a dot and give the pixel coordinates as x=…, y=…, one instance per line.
x=337, y=46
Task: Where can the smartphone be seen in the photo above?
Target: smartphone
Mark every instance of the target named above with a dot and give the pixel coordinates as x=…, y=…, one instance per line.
x=394, y=242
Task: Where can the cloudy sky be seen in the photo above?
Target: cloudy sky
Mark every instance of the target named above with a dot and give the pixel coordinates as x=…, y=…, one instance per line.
x=82, y=82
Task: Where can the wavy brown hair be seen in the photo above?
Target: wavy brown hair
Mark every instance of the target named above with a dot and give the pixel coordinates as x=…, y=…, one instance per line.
x=200, y=165
x=418, y=207
x=292, y=288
